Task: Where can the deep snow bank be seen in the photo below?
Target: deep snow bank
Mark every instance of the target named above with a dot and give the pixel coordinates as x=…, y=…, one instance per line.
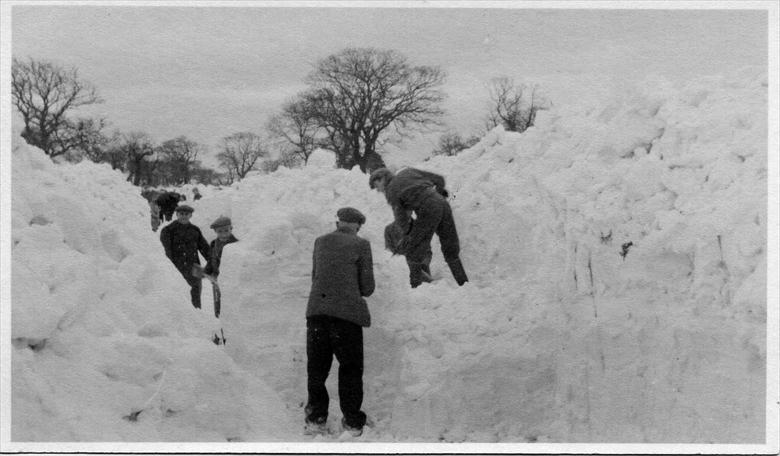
x=617, y=258
x=631, y=243
x=617, y=264
x=102, y=326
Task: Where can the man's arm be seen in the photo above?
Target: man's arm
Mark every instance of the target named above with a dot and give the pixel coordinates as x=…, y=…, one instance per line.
x=211, y=265
x=314, y=259
x=366, y=270
x=402, y=218
x=203, y=246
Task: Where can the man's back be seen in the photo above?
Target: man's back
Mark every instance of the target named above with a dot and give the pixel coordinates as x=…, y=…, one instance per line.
x=342, y=274
x=410, y=186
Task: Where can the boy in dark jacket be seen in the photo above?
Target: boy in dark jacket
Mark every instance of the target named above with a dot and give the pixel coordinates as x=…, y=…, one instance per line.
x=182, y=241
x=224, y=229
x=424, y=193
x=342, y=275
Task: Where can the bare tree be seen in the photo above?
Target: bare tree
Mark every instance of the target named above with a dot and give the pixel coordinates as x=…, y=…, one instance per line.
x=240, y=152
x=359, y=94
x=89, y=141
x=205, y=176
x=113, y=153
x=181, y=155
x=45, y=94
x=513, y=106
x=451, y=143
x=297, y=125
x=226, y=178
x=135, y=147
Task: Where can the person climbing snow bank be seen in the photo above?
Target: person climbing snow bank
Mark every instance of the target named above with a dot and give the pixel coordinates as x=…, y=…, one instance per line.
x=424, y=193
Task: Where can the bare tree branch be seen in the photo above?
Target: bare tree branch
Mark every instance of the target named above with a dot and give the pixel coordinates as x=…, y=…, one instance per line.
x=358, y=94
x=513, y=106
x=240, y=153
x=44, y=94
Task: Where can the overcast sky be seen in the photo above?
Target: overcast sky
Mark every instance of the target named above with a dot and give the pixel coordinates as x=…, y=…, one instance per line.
x=207, y=72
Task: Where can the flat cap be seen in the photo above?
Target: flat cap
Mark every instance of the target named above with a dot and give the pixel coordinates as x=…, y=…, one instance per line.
x=184, y=208
x=221, y=221
x=351, y=215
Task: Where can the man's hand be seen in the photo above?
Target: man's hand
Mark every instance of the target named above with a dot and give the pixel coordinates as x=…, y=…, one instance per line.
x=197, y=271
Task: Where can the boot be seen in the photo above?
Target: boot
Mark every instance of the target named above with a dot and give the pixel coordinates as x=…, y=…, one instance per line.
x=457, y=271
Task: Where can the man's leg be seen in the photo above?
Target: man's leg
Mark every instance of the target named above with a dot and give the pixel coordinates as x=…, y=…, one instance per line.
x=426, y=266
x=348, y=347
x=319, y=357
x=450, y=245
x=194, y=283
x=418, y=273
x=428, y=219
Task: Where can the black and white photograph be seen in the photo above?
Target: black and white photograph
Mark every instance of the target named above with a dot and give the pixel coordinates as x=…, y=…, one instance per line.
x=389, y=227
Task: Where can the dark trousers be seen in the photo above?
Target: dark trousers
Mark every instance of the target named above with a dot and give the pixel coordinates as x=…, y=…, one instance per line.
x=419, y=272
x=195, y=283
x=325, y=337
x=434, y=216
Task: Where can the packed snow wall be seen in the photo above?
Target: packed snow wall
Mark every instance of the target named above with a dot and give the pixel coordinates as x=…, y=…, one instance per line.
x=618, y=273
x=106, y=345
x=632, y=241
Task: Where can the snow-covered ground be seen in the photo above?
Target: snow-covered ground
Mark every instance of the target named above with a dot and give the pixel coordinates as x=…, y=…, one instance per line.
x=617, y=257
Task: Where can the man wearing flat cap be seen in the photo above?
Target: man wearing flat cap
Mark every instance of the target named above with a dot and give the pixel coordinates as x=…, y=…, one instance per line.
x=182, y=241
x=342, y=275
x=424, y=194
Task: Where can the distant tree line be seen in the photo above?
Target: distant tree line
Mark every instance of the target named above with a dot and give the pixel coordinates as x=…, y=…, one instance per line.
x=356, y=100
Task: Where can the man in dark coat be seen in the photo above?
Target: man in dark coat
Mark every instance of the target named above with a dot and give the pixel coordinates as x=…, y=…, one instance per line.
x=182, y=241
x=342, y=275
x=424, y=193
x=167, y=203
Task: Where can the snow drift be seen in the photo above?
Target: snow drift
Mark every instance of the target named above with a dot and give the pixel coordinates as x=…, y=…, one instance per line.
x=617, y=257
x=107, y=346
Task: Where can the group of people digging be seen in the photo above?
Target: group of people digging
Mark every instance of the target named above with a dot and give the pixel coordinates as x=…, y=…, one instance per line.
x=342, y=277
x=182, y=241
x=162, y=204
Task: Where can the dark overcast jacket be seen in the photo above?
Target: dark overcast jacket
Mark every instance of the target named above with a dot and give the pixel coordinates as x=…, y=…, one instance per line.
x=182, y=243
x=408, y=189
x=342, y=274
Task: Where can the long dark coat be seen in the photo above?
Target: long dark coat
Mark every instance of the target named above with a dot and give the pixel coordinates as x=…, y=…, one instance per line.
x=182, y=242
x=342, y=274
